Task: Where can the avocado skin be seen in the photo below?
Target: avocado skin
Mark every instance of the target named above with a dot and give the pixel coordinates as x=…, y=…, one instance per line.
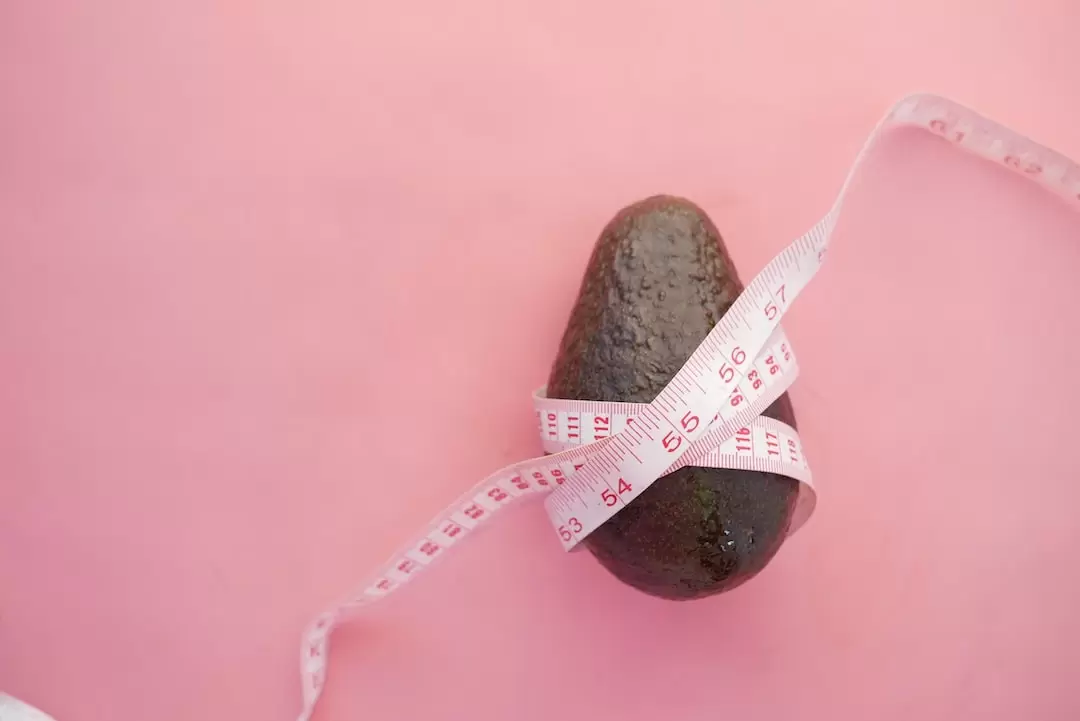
x=658, y=280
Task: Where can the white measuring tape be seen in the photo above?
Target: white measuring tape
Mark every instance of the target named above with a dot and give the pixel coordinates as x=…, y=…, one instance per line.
x=579, y=506
x=605, y=454
x=12, y=709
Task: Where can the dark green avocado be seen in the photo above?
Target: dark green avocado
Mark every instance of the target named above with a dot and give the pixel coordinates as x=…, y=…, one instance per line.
x=658, y=280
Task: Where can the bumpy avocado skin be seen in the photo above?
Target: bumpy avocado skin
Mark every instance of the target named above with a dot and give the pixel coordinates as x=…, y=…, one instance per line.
x=658, y=280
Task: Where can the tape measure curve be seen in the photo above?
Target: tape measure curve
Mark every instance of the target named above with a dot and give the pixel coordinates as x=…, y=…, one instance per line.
x=605, y=474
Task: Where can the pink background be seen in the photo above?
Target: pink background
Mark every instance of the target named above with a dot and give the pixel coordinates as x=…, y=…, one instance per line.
x=277, y=278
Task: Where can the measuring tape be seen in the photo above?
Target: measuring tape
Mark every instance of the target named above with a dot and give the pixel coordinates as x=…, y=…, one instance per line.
x=603, y=455
x=12, y=709
x=736, y=436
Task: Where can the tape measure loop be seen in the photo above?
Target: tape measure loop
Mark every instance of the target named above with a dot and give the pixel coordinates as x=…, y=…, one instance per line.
x=595, y=457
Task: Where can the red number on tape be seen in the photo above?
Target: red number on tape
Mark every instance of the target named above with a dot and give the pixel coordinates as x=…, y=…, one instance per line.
x=690, y=422
x=429, y=548
x=384, y=584
x=565, y=534
x=742, y=440
x=540, y=480
x=785, y=351
x=601, y=425
x=772, y=441
x=737, y=399
x=474, y=511
x=624, y=487
x=610, y=499
x=572, y=427
x=727, y=374
x=738, y=356
x=771, y=310
x=575, y=525
x=780, y=292
x=755, y=379
x=407, y=566
x=451, y=529
x=773, y=367
x=498, y=495
x=578, y=466
x=558, y=476
x=520, y=483
x=672, y=441
x=1024, y=166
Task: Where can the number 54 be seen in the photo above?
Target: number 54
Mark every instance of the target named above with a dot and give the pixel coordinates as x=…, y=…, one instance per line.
x=610, y=499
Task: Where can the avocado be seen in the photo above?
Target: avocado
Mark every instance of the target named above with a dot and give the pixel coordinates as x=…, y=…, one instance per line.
x=658, y=280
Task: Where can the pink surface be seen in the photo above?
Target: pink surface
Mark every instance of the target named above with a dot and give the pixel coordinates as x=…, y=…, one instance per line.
x=252, y=254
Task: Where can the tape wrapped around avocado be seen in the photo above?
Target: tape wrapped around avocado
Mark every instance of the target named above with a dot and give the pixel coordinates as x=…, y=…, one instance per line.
x=658, y=280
